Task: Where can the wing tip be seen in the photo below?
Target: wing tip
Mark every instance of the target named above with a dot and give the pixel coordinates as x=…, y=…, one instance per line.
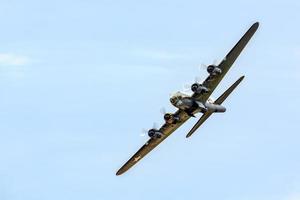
x=255, y=26
x=240, y=79
x=188, y=135
x=119, y=172
x=122, y=170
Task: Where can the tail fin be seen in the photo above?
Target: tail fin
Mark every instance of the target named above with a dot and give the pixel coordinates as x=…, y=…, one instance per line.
x=219, y=101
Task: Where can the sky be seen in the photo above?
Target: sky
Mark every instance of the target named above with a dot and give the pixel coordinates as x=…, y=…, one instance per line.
x=79, y=80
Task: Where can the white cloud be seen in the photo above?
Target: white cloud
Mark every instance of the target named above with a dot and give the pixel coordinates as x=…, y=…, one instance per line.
x=13, y=60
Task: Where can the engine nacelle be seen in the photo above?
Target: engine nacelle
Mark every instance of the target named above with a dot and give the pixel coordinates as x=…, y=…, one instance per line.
x=153, y=133
x=213, y=70
x=215, y=108
x=171, y=118
x=199, y=88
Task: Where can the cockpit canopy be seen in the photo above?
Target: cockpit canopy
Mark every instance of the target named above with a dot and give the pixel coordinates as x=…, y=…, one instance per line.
x=177, y=96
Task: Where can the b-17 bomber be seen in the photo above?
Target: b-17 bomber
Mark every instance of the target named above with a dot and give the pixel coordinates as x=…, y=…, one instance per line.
x=198, y=102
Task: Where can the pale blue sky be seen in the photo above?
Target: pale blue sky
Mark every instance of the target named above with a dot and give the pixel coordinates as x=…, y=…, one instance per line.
x=79, y=80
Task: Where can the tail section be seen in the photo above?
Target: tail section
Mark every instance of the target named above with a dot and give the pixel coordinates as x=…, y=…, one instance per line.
x=219, y=101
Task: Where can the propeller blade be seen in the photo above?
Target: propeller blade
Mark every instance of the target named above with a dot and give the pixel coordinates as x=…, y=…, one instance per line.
x=186, y=88
x=198, y=79
x=155, y=126
x=202, y=67
x=163, y=111
x=215, y=62
x=144, y=132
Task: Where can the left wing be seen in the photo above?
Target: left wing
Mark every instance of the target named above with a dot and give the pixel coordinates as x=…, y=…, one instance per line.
x=166, y=130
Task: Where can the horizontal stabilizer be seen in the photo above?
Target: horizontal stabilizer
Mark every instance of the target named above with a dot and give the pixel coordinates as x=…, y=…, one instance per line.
x=222, y=98
x=219, y=101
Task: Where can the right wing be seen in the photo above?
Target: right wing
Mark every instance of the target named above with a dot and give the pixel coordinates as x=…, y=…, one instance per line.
x=219, y=101
x=211, y=82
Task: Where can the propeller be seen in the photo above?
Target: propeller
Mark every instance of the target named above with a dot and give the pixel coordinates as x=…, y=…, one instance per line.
x=145, y=131
x=187, y=87
x=198, y=79
x=204, y=66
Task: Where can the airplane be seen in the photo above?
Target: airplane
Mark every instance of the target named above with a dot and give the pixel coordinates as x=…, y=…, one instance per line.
x=198, y=102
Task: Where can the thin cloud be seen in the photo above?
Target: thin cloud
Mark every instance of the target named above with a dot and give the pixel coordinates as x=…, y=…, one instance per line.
x=13, y=59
